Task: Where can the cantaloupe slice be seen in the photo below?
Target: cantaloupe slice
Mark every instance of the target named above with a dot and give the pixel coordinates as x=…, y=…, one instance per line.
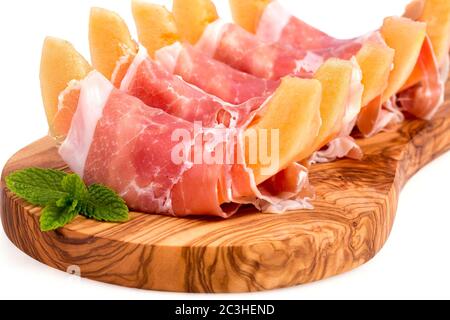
x=109, y=40
x=248, y=13
x=60, y=64
x=294, y=110
x=192, y=17
x=155, y=25
x=375, y=61
x=406, y=37
x=436, y=13
x=335, y=76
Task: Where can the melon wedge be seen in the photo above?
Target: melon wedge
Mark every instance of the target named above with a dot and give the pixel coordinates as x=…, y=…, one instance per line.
x=335, y=76
x=155, y=25
x=436, y=13
x=375, y=61
x=60, y=64
x=294, y=111
x=406, y=37
x=248, y=13
x=109, y=40
x=192, y=17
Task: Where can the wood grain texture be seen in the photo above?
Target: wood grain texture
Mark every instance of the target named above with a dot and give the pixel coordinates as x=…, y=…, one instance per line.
x=353, y=216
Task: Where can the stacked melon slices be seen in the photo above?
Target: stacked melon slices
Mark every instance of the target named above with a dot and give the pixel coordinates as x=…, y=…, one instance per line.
x=309, y=113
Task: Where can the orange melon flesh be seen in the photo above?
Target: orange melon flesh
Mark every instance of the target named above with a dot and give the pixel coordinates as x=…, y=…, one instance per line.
x=155, y=24
x=60, y=64
x=293, y=110
x=109, y=40
x=192, y=17
x=436, y=13
x=375, y=61
x=335, y=76
x=406, y=37
x=248, y=13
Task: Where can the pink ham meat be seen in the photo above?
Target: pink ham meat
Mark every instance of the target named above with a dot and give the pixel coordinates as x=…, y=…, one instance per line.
x=213, y=76
x=242, y=50
x=117, y=140
x=155, y=86
x=424, y=99
x=279, y=26
x=234, y=86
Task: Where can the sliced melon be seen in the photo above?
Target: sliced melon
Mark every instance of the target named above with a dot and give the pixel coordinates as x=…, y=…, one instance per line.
x=192, y=17
x=60, y=64
x=375, y=61
x=109, y=40
x=436, y=14
x=294, y=111
x=155, y=25
x=335, y=76
x=248, y=13
x=406, y=37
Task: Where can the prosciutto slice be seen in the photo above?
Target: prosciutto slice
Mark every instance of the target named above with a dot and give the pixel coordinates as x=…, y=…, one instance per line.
x=155, y=86
x=213, y=76
x=242, y=50
x=117, y=140
x=424, y=99
x=277, y=26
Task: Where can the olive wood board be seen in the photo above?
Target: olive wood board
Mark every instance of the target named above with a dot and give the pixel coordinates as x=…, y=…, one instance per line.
x=353, y=217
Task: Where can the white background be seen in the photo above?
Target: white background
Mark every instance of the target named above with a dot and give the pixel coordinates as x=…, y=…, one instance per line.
x=415, y=263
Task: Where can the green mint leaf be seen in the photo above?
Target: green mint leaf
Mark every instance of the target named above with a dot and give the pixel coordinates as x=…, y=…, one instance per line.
x=105, y=205
x=75, y=187
x=54, y=217
x=37, y=186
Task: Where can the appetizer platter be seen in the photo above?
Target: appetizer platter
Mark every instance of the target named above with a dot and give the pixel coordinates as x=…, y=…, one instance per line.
x=209, y=156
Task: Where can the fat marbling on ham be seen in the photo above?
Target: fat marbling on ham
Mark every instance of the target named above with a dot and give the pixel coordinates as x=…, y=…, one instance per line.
x=117, y=140
x=149, y=81
x=213, y=76
x=242, y=50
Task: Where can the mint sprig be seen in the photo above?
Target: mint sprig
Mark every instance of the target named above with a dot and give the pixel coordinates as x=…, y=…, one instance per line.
x=65, y=196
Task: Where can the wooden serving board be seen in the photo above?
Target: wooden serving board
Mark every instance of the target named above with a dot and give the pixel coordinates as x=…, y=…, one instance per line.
x=353, y=216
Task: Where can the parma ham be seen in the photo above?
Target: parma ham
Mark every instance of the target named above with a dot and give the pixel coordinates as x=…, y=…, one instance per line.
x=213, y=76
x=117, y=140
x=276, y=25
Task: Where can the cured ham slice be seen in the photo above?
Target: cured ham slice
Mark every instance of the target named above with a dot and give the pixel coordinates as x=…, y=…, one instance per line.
x=336, y=76
x=155, y=86
x=235, y=86
x=424, y=99
x=405, y=36
x=240, y=49
x=147, y=80
x=213, y=76
x=117, y=140
x=158, y=161
x=423, y=93
x=231, y=44
x=299, y=100
x=275, y=25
